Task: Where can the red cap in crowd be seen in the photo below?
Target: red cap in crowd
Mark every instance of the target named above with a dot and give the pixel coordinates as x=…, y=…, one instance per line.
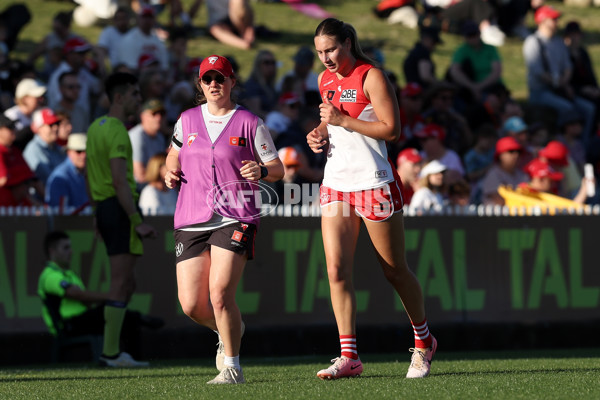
x=216, y=63
x=432, y=131
x=146, y=60
x=409, y=154
x=289, y=98
x=505, y=144
x=147, y=11
x=545, y=12
x=43, y=116
x=77, y=45
x=555, y=152
x=193, y=66
x=412, y=89
x=539, y=169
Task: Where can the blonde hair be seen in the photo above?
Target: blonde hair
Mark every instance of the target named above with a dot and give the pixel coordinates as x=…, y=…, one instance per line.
x=153, y=167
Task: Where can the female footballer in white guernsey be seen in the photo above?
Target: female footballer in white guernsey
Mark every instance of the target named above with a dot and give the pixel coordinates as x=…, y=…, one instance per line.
x=359, y=114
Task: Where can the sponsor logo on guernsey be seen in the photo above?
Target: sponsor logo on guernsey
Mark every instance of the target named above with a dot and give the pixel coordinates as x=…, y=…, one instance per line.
x=328, y=83
x=239, y=239
x=348, y=96
x=237, y=141
x=191, y=138
x=381, y=174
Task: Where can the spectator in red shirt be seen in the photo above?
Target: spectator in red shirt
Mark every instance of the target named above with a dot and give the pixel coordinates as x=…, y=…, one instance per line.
x=16, y=178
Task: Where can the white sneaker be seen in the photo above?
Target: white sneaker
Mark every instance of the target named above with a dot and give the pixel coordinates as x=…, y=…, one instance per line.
x=124, y=360
x=420, y=363
x=493, y=36
x=227, y=376
x=220, y=358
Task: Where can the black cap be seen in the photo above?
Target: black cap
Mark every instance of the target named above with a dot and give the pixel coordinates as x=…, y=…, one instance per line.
x=6, y=122
x=470, y=28
x=431, y=32
x=572, y=27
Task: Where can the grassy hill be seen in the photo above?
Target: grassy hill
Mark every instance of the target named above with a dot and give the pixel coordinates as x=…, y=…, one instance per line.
x=296, y=29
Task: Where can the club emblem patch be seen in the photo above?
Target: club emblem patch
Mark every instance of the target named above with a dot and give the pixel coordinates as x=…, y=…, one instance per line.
x=191, y=138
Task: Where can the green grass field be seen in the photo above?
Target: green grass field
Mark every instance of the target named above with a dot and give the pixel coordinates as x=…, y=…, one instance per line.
x=548, y=374
x=297, y=29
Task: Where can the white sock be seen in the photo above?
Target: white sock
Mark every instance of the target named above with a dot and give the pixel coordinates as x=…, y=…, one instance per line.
x=232, y=362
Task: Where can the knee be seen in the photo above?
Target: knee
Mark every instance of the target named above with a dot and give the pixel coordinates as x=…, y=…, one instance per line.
x=195, y=311
x=337, y=273
x=221, y=300
x=396, y=273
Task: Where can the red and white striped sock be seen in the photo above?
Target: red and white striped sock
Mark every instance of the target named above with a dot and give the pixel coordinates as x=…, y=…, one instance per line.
x=423, y=338
x=348, y=345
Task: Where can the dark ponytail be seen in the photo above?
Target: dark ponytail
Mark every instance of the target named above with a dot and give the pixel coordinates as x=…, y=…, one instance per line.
x=341, y=31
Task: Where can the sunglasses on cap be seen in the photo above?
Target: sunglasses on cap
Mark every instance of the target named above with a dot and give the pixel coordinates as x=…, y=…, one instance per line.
x=220, y=79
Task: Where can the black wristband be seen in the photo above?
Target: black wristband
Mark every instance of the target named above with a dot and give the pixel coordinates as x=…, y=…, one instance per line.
x=263, y=172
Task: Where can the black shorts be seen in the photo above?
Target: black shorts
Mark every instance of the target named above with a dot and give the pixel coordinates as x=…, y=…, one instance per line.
x=238, y=237
x=116, y=230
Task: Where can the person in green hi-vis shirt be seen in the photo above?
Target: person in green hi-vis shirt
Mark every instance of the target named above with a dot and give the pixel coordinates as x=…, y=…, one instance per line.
x=80, y=311
x=112, y=190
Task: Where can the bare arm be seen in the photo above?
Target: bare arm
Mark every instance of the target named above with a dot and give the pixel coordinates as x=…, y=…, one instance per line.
x=172, y=176
x=379, y=91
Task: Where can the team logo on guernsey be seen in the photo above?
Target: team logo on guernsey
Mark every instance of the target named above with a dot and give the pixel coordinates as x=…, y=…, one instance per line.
x=348, y=96
x=212, y=60
x=237, y=141
x=191, y=138
x=329, y=95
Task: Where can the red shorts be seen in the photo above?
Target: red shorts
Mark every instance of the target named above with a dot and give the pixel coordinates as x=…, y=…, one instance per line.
x=376, y=204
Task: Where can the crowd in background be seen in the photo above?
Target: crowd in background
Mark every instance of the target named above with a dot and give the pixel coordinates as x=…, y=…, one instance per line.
x=463, y=135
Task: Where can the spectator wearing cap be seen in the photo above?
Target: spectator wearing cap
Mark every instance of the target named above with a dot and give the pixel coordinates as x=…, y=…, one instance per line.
x=29, y=96
x=112, y=35
x=141, y=39
x=584, y=80
x=408, y=165
x=283, y=119
x=505, y=171
x=75, y=51
x=431, y=187
x=476, y=66
x=549, y=71
x=42, y=153
x=16, y=178
x=544, y=178
x=479, y=159
x=53, y=43
x=418, y=65
x=438, y=104
x=146, y=137
x=66, y=187
x=68, y=83
x=290, y=158
x=431, y=138
x=518, y=129
x=302, y=78
x=557, y=155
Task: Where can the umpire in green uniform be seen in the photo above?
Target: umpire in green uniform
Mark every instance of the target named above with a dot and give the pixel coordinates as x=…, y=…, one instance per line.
x=112, y=190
